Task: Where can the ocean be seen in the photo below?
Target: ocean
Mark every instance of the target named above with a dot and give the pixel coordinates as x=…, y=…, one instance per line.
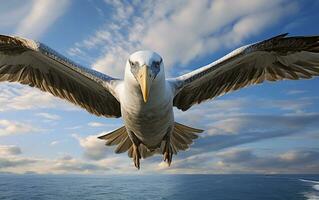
x=181, y=187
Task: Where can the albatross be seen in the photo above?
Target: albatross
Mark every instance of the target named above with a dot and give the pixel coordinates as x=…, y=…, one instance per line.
x=145, y=97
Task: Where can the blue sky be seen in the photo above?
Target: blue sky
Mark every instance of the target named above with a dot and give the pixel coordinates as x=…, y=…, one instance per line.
x=269, y=128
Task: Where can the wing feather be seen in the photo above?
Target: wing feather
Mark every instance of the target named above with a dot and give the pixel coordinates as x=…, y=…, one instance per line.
x=34, y=64
x=277, y=58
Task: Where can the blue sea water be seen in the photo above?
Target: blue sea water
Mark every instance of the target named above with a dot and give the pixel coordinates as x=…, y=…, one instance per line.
x=181, y=187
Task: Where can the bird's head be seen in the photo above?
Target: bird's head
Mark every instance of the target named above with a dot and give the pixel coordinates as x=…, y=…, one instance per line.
x=147, y=68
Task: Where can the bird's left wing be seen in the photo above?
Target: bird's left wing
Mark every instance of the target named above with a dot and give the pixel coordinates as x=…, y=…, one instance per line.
x=274, y=59
x=34, y=64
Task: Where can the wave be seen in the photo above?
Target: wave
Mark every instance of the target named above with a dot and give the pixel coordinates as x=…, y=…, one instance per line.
x=316, y=183
x=312, y=195
x=309, y=181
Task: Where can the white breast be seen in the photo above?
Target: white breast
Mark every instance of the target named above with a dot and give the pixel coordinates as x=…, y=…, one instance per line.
x=149, y=121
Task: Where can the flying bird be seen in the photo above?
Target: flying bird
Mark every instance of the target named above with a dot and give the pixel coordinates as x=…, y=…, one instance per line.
x=145, y=97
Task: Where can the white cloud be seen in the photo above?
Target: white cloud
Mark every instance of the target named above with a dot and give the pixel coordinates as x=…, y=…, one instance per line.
x=66, y=164
x=235, y=160
x=69, y=164
x=48, y=116
x=96, y=124
x=262, y=124
x=94, y=148
x=7, y=150
x=11, y=12
x=295, y=92
x=14, y=96
x=13, y=162
x=10, y=128
x=53, y=143
x=73, y=127
x=180, y=31
x=294, y=161
x=63, y=165
x=245, y=161
x=40, y=17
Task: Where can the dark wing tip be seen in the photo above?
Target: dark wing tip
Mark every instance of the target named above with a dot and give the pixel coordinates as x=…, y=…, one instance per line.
x=278, y=36
x=283, y=44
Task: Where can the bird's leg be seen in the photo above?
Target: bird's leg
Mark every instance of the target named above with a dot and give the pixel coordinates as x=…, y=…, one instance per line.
x=167, y=151
x=136, y=152
x=136, y=156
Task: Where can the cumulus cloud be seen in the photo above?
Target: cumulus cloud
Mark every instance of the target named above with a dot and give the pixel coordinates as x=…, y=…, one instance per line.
x=12, y=127
x=180, y=31
x=40, y=17
x=94, y=148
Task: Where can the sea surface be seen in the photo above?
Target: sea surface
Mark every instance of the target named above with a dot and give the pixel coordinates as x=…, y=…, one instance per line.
x=181, y=187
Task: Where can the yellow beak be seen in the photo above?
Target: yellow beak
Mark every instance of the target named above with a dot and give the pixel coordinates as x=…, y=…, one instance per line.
x=145, y=82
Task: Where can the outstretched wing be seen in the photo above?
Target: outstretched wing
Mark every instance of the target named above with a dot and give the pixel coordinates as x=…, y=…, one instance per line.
x=34, y=64
x=274, y=59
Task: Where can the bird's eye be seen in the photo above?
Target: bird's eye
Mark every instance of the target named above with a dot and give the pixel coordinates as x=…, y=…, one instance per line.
x=157, y=64
x=133, y=64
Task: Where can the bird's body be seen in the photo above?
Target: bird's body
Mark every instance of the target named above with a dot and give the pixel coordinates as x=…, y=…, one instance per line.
x=150, y=121
x=145, y=98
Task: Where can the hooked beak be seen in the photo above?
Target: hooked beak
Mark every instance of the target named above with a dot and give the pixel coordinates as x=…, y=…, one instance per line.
x=144, y=80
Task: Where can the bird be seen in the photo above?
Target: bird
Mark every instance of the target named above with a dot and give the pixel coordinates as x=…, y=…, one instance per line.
x=145, y=98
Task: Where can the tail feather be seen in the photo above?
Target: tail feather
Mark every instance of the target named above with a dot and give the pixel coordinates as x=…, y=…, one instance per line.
x=178, y=145
x=130, y=152
x=116, y=140
x=118, y=137
x=188, y=128
x=124, y=145
x=113, y=134
x=182, y=137
x=174, y=149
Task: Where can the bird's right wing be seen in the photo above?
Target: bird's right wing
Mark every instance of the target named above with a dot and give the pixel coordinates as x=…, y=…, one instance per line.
x=34, y=64
x=274, y=59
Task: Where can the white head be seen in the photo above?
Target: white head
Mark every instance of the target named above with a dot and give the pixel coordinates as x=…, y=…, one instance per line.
x=147, y=69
